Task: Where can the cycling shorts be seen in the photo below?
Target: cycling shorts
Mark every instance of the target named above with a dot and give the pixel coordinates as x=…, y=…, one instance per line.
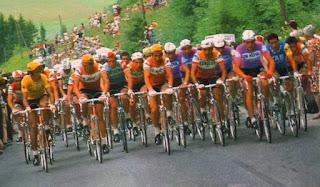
x=35, y=103
x=137, y=87
x=116, y=88
x=177, y=82
x=18, y=104
x=282, y=71
x=158, y=87
x=91, y=93
x=299, y=67
x=219, y=74
x=254, y=72
x=208, y=81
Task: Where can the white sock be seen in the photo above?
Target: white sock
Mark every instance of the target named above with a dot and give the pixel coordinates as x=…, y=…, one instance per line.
x=35, y=153
x=46, y=127
x=169, y=113
x=147, y=115
x=247, y=114
x=115, y=131
x=253, y=120
x=156, y=131
x=85, y=121
x=202, y=110
x=104, y=141
x=69, y=125
x=135, y=124
x=126, y=115
x=19, y=133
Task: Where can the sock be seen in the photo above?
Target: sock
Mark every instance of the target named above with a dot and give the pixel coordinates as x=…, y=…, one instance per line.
x=147, y=115
x=104, y=141
x=116, y=131
x=19, y=133
x=85, y=121
x=69, y=125
x=202, y=110
x=135, y=124
x=126, y=115
x=156, y=130
x=46, y=127
x=169, y=113
x=247, y=114
x=253, y=120
x=35, y=153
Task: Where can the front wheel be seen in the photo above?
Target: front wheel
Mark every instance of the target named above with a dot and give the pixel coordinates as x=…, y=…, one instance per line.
x=259, y=128
x=220, y=135
x=183, y=136
x=302, y=110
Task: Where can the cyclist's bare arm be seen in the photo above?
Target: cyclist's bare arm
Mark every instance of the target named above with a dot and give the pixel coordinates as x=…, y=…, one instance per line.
x=51, y=95
x=105, y=79
x=194, y=68
x=10, y=101
x=292, y=62
x=147, y=79
x=237, y=69
x=69, y=93
x=169, y=75
x=76, y=87
x=129, y=79
x=270, y=62
x=223, y=72
x=186, y=69
x=55, y=91
x=25, y=99
x=61, y=87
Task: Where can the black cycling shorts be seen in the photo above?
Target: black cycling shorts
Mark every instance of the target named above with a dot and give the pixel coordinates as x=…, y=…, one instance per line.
x=91, y=93
x=35, y=103
x=137, y=87
x=207, y=81
x=254, y=72
x=299, y=67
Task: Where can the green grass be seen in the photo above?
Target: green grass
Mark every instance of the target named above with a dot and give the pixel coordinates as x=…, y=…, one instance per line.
x=16, y=62
x=48, y=11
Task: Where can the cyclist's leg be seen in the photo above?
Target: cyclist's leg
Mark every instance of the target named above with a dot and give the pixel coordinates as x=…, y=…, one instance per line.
x=233, y=85
x=17, y=118
x=264, y=86
x=155, y=114
x=46, y=113
x=102, y=126
x=167, y=101
x=66, y=110
x=248, y=98
x=76, y=106
x=218, y=94
x=125, y=103
x=114, y=114
x=85, y=115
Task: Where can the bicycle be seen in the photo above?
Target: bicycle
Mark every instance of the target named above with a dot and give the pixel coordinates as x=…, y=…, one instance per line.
x=194, y=115
x=165, y=129
x=232, y=112
x=179, y=127
x=122, y=122
x=142, y=118
x=106, y=114
x=62, y=121
x=216, y=124
x=45, y=145
x=94, y=143
x=26, y=140
x=301, y=105
x=75, y=125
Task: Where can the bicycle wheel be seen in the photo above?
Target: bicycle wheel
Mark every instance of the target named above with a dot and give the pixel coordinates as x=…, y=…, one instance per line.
x=220, y=135
x=233, y=122
x=51, y=155
x=259, y=129
x=143, y=132
x=293, y=125
x=25, y=144
x=166, y=141
x=123, y=133
x=65, y=136
x=89, y=147
x=213, y=133
x=302, y=110
x=99, y=150
x=183, y=136
x=198, y=121
x=191, y=122
x=265, y=119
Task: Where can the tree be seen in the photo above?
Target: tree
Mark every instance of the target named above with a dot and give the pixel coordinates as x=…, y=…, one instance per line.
x=42, y=33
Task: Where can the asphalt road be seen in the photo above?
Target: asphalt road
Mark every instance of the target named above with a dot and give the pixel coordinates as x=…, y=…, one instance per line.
x=287, y=161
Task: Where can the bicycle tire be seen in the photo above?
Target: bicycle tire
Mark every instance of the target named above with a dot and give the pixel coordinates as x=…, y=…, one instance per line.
x=166, y=142
x=220, y=135
x=25, y=144
x=265, y=119
x=99, y=150
x=44, y=154
x=51, y=157
x=183, y=136
x=89, y=147
x=123, y=132
x=198, y=121
x=259, y=129
x=213, y=134
x=293, y=125
x=233, y=122
x=302, y=110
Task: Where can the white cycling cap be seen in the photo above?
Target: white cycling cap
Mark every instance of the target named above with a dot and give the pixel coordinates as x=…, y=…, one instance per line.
x=206, y=43
x=169, y=47
x=137, y=55
x=248, y=35
x=184, y=43
x=218, y=40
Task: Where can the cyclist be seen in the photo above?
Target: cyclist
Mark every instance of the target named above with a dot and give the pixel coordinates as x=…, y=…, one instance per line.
x=118, y=83
x=35, y=87
x=87, y=85
x=203, y=72
x=157, y=70
x=177, y=66
x=146, y=52
x=135, y=68
x=280, y=56
x=15, y=99
x=227, y=53
x=248, y=64
x=125, y=57
x=63, y=74
x=187, y=52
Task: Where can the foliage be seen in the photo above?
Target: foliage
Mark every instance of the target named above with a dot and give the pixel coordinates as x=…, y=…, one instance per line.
x=42, y=33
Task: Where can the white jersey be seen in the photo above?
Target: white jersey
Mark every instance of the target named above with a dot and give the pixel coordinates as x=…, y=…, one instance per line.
x=64, y=77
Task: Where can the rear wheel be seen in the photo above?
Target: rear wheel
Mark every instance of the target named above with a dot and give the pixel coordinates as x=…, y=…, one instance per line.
x=265, y=119
x=302, y=110
x=25, y=145
x=259, y=128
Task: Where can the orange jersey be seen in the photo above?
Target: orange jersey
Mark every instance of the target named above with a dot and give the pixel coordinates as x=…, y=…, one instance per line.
x=157, y=71
x=137, y=76
x=207, y=67
x=52, y=77
x=89, y=81
x=297, y=56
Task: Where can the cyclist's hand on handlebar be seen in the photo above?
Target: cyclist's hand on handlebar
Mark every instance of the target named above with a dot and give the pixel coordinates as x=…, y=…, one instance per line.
x=219, y=81
x=169, y=91
x=56, y=102
x=103, y=97
x=248, y=78
x=268, y=75
x=296, y=74
x=200, y=86
x=152, y=93
x=130, y=92
x=83, y=100
x=15, y=111
x=28, y=109
x=52, y=108
x=184, y=85
x=65, y=98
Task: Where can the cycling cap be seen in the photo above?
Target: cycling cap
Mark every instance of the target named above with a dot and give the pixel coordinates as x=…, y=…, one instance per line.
x=17, y=74
x=95, y=57
x=146, y=50
x=156, y=47
x=66, y=64
x=137, y=55
x=87, y=59
x=309, y=30
x=206, y=43
x=169, y=47
x=218, y=40
x=259, y=38
x=33, y=66
x=40, y=60
x=111, y=55
x=185, y=43
x=56, y=67
x=248, y=35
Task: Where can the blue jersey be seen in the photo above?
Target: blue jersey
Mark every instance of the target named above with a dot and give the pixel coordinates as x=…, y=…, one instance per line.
x=279, y=56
